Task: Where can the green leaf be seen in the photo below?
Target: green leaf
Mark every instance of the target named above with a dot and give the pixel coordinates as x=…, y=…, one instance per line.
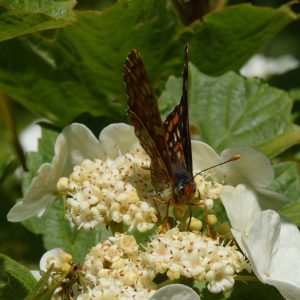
x=44, y=291
x=22, y=17
x=254, y=290
x=46, y=144
x=287, y=180
x=295, y=93
x=16, y=281
x=230, y=110
x=79, y=69
x=58, y=233
x=228, y=38
x=292, y=212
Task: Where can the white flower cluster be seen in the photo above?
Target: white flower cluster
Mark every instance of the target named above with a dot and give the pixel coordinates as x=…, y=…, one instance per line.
x=208, y=190
x=118, y=190
x=115, y=270
x=191, y=255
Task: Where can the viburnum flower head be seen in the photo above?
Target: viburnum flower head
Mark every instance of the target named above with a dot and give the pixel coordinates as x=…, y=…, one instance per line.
x=117, y=267
x=192, y=255
x=106, y=180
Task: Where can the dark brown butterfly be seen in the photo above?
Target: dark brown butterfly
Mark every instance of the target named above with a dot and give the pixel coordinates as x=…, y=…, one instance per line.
x=167, y=143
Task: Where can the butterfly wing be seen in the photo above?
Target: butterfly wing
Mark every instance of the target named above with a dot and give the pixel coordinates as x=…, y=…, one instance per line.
x=177, y=133
x=144, y=115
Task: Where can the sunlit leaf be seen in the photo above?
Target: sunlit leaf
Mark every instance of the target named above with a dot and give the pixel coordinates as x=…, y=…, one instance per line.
x=230, y=110
x=287, y=180
x=228, y=38
x=22, y=17
x=79, y=69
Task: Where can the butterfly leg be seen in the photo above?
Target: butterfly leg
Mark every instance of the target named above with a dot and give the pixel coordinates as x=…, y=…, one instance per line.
x=202, y=204
x=155, y=200
x=206, y=220
x=166, y=223
x=190, y=216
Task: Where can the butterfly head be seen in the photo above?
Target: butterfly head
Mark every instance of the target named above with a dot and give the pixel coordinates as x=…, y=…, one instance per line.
x=185, y=190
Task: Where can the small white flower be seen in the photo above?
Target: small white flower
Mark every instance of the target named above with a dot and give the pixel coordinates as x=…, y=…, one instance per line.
x=59, y=258
x=272, y=246
x=220, y=277
x=74, y=144
x=62, y=263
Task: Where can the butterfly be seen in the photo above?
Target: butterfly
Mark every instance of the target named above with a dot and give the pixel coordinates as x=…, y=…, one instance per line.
x=167, y=143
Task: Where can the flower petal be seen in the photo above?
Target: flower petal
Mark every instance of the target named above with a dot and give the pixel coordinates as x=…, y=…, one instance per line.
x=269, y=199
x=118, y=137
x=252, y=168
x=241, y=206
x=262, y=242
x=74, y=144
x=174, y=292
x=272, y=247
x=203, y=156
x=36, y=274
x=285, y=269
x=79, y=143
x=55, y=252
x=289, y=234
x=37, y=198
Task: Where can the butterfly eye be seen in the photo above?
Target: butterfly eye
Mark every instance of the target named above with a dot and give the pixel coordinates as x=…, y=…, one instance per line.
x=179, y=190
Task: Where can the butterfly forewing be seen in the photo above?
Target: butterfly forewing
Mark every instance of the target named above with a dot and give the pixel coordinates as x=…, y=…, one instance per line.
x=144, y=115
x=177, y=133
x=168, y=144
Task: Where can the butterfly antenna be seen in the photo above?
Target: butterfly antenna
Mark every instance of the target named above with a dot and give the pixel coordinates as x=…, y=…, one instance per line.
x=233, y=158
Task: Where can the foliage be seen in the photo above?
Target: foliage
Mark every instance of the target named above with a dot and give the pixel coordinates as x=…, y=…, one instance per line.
x=63, y=63
x=16, y=280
